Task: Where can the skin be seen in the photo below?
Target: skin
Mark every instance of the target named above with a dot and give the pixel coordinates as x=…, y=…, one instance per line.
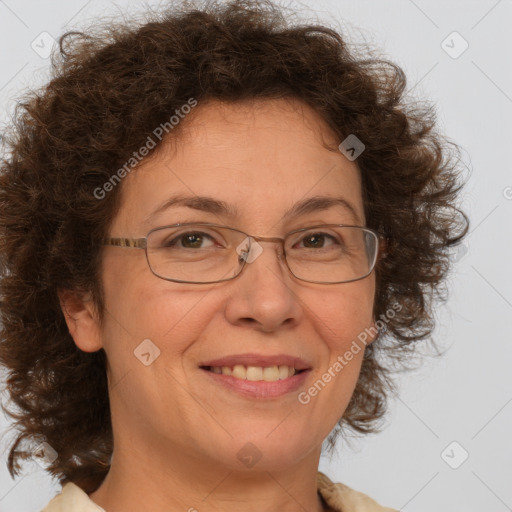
x=176, y=434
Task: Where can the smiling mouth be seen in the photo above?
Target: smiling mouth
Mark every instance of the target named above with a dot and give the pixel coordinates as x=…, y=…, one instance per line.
x=255, y=373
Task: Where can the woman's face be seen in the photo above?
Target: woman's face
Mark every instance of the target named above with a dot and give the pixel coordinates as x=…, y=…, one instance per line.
x=260, y=159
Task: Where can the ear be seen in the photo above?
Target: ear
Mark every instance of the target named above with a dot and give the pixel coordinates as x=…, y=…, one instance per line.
x=82, y=319
x=383, y=248
x=372, y=333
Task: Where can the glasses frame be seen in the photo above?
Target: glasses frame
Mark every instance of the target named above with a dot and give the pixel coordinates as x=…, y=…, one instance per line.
x=142, y=243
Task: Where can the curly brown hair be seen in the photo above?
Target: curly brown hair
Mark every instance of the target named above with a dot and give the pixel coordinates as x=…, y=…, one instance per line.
x=110, y=89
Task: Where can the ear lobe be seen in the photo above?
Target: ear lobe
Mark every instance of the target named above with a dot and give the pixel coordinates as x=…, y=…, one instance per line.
x=373, y=333
x=383, y=248
x=82, y=319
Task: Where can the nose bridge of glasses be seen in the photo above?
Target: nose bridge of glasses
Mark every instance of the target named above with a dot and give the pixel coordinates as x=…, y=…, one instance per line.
x=255, y=248
x=273, y=239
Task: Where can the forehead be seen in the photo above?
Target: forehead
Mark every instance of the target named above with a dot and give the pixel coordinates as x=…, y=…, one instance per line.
x=257, y=158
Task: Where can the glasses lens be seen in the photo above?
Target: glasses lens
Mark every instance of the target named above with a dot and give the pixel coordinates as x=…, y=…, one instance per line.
x=203, y=253
x=197, y=253
x=332, y=254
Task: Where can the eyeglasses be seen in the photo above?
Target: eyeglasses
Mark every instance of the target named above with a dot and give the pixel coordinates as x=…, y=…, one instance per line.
x=205, y=253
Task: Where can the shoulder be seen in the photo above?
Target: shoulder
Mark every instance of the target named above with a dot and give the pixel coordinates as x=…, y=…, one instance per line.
x=72, y=499
x=342, y=498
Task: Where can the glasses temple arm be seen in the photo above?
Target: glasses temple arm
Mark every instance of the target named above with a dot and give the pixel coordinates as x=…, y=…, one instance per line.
x=134, y=243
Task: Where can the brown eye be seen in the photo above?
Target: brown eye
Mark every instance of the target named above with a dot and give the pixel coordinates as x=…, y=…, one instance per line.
x=190, y=240
x=316, y=240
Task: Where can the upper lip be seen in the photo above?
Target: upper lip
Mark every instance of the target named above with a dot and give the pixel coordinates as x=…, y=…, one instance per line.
x=259, y=360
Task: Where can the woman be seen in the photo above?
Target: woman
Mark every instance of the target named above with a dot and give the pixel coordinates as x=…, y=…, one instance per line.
x=213, y=227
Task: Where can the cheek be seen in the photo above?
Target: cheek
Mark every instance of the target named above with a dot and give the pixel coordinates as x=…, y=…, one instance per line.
x=344, y=313
x=172, y=316
x=340, y=317
x=140, y=303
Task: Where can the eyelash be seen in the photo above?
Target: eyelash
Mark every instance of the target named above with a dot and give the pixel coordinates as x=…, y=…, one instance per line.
x=173, y=242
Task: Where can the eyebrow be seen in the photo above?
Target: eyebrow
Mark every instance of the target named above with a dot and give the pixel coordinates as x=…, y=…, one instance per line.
x=221, y=208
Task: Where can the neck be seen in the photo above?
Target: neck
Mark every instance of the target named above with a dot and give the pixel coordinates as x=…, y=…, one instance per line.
x=143, y=481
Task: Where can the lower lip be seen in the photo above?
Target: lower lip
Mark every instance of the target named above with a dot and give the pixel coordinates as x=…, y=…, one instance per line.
x=259, y=389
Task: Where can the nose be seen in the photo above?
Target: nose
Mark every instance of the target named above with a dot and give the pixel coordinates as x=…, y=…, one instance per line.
x=265, y=294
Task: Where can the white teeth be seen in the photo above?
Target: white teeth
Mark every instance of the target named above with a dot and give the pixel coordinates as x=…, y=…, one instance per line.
x=239, y=371
x=284, y=371
x=270, y=373
x=255, y=373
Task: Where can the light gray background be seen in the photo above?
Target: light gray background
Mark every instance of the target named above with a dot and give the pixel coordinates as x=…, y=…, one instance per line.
x=465, y=397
